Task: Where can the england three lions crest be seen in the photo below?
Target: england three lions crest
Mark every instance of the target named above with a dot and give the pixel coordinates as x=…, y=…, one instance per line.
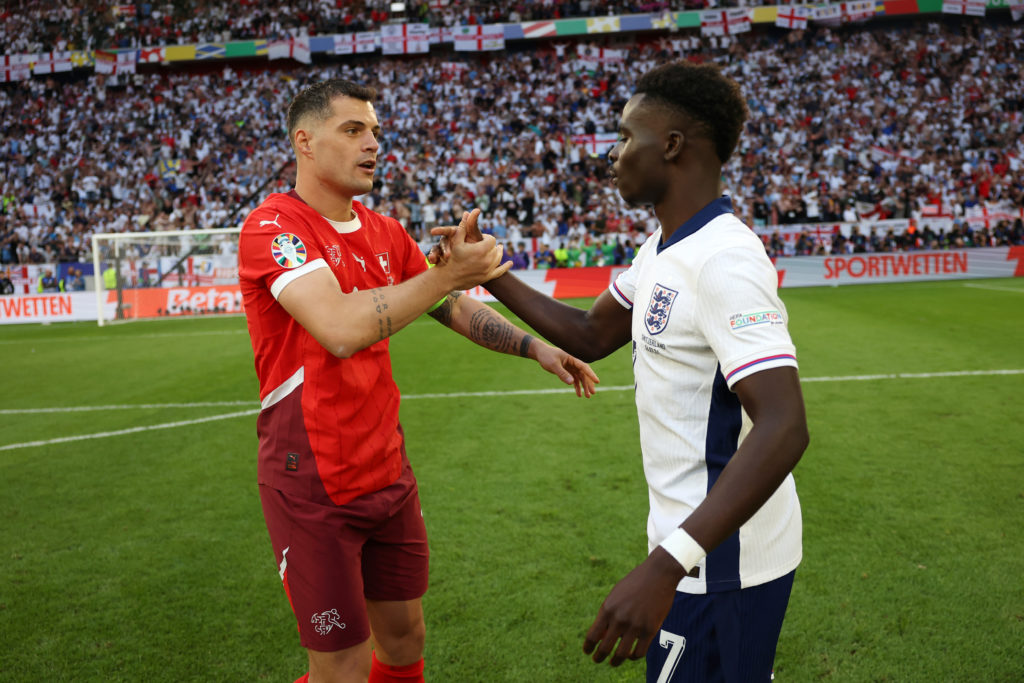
x=659, y=309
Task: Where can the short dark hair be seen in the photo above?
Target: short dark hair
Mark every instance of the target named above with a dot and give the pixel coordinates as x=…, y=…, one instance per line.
x=316, y=100
x=705, y=95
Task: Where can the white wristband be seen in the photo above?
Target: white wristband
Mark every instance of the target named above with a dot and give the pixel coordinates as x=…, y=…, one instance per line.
x=683, y=548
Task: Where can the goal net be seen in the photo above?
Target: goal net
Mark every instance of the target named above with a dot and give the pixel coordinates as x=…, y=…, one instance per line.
x=166, y=274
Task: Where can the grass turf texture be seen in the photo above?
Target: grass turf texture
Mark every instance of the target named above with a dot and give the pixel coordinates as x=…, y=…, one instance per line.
x=143, y=556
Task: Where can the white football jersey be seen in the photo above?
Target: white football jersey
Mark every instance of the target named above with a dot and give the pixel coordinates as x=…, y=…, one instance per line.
x=706, y=314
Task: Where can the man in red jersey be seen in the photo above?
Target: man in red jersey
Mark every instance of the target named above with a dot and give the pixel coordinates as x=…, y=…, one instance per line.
x=326, y=282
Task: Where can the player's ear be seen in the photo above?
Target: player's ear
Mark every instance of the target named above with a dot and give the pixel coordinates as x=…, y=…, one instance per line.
x=674, y=144
x=302, y=142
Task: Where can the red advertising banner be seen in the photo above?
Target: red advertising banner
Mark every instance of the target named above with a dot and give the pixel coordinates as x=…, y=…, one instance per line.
x=156, y=302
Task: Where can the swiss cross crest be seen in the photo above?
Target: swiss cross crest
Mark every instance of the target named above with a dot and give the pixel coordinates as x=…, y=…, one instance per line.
x=334, y=253
x=658, y=311
x=385, y=261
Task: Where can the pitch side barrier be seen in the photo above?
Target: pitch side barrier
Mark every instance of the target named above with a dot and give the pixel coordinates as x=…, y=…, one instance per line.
x=810, y=271
x=561, y=283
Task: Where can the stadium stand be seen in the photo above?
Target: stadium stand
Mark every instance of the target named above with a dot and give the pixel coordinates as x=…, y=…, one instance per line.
x=858, y=122
x=35, y=25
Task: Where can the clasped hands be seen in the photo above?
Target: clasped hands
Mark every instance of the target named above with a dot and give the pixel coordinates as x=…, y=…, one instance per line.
x=469, y=227
x=473, y=258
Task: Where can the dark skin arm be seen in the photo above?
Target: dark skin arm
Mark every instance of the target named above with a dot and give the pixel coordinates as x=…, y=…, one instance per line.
x=588, y=335
x=638, y=604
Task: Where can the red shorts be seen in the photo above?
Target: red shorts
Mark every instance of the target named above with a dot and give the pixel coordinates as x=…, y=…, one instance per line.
x=333, y=558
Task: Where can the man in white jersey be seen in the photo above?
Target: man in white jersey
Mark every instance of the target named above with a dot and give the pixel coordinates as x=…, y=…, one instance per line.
x=717, y=392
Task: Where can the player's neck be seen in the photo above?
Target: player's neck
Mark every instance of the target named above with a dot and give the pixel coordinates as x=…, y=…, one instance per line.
x=679, y=207
x=325, y=201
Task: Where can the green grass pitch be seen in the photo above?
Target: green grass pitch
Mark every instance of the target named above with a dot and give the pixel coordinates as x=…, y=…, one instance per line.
x=141, y=555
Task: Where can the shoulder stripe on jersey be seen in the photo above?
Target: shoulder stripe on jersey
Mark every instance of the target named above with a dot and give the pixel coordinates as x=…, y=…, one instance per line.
x=290, y=276
x=622, y=297
x=286, y=387
x=782, y=356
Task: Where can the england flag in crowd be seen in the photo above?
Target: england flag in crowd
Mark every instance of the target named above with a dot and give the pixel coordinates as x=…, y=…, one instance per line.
x=592, y=57
x=441, y=34
x=110, y=62
x=454, y=70
x=367, y=41
x=16, y=67
x=401, y=39
x=792, y=17
x=479, y=38
x=293, y=48
x=51, y=62
x=596, y=144
x=356, y=43
x=1017, y=10
x=724, y=22
x=833, y=15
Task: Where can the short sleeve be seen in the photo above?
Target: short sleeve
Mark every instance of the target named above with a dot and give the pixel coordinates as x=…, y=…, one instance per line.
x=276, y=248
x=623, y=289
x=741, y=315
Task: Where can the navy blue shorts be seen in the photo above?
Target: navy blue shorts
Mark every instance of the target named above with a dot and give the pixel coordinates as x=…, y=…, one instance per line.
x=727, y=636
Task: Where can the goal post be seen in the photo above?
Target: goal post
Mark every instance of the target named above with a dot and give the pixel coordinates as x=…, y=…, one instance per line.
x=172, y=273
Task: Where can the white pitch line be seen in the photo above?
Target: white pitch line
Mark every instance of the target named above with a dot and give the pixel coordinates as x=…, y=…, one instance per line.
x=147, y=335
x=511, y=392
x=995, y=288
x=914, y=375
x=132, y=430
x=454, y=394
x=137, y=406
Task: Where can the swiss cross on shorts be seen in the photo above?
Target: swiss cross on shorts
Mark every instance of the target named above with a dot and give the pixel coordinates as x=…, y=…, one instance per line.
x=385, y=261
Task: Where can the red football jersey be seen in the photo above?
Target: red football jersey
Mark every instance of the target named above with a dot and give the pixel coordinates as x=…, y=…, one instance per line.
x=328, y=428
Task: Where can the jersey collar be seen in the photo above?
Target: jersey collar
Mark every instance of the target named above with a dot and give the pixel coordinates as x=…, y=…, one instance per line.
x=716, y=208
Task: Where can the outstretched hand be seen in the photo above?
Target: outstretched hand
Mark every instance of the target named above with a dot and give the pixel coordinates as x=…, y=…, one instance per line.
x=569, y=369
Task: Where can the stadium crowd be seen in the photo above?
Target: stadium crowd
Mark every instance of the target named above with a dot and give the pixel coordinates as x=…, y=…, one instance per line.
x=846, y=124
x=38, y=25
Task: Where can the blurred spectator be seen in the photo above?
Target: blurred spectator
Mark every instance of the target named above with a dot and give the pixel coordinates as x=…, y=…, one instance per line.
x=48, y=283
x=520, y=259
x=74, y=282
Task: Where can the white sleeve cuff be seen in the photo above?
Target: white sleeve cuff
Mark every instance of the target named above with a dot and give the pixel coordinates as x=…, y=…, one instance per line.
x=291, y=275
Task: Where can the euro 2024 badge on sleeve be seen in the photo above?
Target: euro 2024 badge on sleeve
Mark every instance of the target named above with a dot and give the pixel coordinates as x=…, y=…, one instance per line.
x=288, y=250
x=659, y=309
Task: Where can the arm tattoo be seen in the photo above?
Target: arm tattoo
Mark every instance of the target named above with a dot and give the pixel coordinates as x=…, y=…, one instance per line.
x=443, y=313
x=524, y=346
x=384, y=325
x=490, y=330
